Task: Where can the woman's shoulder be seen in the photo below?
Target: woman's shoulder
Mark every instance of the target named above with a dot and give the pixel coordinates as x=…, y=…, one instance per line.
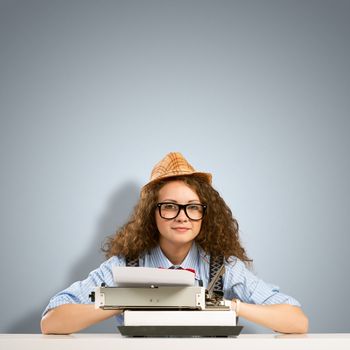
x=235, y=264
x=115, y=260
x=107, y=265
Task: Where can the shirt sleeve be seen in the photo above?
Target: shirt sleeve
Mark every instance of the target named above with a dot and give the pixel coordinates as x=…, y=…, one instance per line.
x=241, y=283
x=78, y=292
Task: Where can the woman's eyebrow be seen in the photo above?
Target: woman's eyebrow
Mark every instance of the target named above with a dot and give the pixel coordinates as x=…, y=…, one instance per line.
x=175, y=201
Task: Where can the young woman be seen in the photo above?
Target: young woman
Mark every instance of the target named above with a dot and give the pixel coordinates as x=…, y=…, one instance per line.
x=182, y=221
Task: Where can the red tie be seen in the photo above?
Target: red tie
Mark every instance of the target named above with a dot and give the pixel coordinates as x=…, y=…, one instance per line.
x=180, y=268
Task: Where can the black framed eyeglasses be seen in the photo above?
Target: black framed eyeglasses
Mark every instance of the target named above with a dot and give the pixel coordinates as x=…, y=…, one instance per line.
x=193, y=211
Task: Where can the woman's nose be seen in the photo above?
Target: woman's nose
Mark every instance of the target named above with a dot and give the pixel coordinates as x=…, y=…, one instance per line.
x=182, y=215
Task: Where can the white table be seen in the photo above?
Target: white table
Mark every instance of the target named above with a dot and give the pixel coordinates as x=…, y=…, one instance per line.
x=82, y=341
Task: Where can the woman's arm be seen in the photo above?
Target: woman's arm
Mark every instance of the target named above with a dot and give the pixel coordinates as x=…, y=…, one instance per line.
x=281, y=318
x=70, y=318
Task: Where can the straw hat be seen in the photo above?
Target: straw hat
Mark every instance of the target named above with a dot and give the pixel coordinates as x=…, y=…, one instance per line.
x=174, y=164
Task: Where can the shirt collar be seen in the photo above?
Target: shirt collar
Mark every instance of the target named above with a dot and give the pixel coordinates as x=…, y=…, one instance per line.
x=191, y=260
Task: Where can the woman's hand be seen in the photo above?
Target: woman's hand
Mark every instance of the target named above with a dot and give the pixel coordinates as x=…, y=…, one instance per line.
x=71, y=318
x=281, y=318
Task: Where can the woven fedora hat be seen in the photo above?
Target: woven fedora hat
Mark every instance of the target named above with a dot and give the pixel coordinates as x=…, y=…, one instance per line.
x=174, y=164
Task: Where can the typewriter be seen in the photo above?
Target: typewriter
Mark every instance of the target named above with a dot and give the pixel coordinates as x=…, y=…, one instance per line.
x=158, y=302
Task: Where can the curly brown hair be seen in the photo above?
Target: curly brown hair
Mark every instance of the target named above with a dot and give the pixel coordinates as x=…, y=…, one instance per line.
x=219, y=234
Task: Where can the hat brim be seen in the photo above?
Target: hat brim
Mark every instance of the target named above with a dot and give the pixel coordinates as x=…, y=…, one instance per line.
x=205, y=176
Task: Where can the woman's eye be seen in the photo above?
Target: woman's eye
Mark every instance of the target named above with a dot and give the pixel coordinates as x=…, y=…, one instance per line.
x=169, y=206
x=194, y=207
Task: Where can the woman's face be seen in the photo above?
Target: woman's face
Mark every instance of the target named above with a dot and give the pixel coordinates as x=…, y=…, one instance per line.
x=180, y=231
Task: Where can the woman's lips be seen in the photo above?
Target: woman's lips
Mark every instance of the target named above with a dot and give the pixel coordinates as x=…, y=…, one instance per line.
x=181, y=229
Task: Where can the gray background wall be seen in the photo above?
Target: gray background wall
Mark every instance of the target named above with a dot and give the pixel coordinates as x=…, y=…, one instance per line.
x=94, y=93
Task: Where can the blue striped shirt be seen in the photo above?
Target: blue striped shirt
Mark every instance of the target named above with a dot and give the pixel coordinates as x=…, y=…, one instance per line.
x=238, y=281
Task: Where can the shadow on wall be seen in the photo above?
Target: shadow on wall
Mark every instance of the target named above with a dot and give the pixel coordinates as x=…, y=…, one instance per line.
x=117, y=212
